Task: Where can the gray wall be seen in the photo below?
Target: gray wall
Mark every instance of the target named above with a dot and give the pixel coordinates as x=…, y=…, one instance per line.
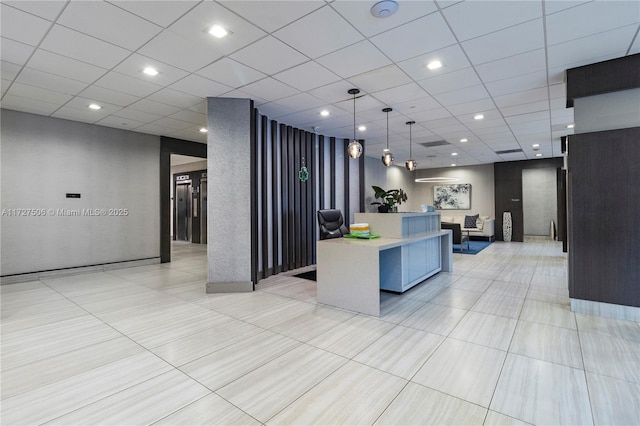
x=480, y=177
x=43, y=159
x=539, y=201
x=393, y=177
x=616, y=110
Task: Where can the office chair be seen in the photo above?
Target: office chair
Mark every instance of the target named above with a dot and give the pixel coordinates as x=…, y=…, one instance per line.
x=457, y=237
x=331, y=224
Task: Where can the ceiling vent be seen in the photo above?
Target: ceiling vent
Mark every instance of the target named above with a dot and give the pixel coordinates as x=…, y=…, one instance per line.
x=508, y=151
x=434, y=144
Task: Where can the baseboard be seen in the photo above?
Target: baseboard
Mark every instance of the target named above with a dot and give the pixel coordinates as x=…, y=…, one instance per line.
x=629, y=313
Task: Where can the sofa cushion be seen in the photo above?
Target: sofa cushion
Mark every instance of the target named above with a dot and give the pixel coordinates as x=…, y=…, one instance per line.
x=480, y=223
x=470, y=221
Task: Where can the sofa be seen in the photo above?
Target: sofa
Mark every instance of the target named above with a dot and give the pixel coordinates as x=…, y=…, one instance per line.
x=485, y=227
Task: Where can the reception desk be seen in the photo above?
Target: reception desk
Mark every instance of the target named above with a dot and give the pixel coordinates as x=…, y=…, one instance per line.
x=351, y=272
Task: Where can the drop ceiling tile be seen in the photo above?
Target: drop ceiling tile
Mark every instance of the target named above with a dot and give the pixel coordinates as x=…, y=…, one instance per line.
x=48, y=81
x=200, y=86
x=172, y=123
x=463, y=95
x=119, y=122
x=66, y=67
x=163, y=13
x=274, y=110
x=100, y=94
x=22, y=26
x=415, y=38
x=269, y=89
x=334, y=92
x=86, y=115
x=504, y=43
x=400, y=94
x=359, y=14
x=583, y=50
x=97, y=18
x=424, y=117
x=155, y=129
x=39, y=94
x=135, y=64
x=175, y=98
x=635, y=48
x=125, y=84
x=189, y=135
x=280, y=56
x=301, y=101
x=274, y=14
x=200, y=107
x=601, y=16
x=231, y=73
x=447, y=82
x=4, y=85
x=355, y=59
x=380, y=79
x=524, y=97
x=15, y=52
x=512, y=66
x=471, y=106
x=559, y=5
x=525, y=108
x=154, y=107
x=48, y=9
x=452, y=58
x=436, y=125
x=182, y=53
x=191, y=117
x=529, y=117
x=195, y=23
x=516, y=84
x=318, y=33
x=489, y=16
x=417, y=105
x=8, y=70
x=141, y=116
x=307, y=76
x=27, y=105
x=82, y=47
x=558, y=91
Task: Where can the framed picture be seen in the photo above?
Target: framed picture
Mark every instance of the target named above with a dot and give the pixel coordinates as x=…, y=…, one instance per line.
x=452, y=197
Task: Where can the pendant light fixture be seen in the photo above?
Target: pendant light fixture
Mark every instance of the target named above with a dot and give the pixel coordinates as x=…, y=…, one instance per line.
x=410, y=164
x=354, y=149
x=387, y=155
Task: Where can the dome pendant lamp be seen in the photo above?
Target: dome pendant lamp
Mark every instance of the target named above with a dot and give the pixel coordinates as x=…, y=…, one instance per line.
x=387, y=155
x=410, y=164
x=354, y=149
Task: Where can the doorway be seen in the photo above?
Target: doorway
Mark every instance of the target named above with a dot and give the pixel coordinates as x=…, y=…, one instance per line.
x=539, y=201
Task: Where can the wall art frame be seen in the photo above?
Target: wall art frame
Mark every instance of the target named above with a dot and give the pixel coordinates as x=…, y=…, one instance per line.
x=452, y=196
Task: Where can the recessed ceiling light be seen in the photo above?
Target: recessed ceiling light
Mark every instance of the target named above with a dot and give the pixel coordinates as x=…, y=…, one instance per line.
x=95, y=106
x=453, y=164
x=463, y=140
x=218, y=31
x=203, y=130
x=535, y=145
x=538, y=155
x=478, y=117
x=454, y=153
x=362, y=128
x=324, y=113
x=385, y=150
x=434, y=65
x=570, y=126
x=150, y=71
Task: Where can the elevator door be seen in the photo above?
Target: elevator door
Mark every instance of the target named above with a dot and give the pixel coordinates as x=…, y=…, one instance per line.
x=183, y=211
x=203, y=211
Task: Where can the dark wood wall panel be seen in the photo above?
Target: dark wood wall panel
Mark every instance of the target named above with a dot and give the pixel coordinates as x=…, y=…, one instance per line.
x=321, y=172
x=361, y=177
x=253, y=162
x=264, y=218
x=562, y=208
x=345, y=182
x=508, y=192
x=604, y=209
x=292, y=199
x=284, y=182
x=312, y=190
x=332, y=171
x=275, y=193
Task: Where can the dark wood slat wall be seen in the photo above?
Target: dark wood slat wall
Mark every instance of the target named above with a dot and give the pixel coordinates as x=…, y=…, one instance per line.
x=288, y=206
x=604, y=209
x=253, y=162
x=361, y=177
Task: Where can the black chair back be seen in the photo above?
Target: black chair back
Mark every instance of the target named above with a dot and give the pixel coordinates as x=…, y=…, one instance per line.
x=457, y=231
x=331, y=224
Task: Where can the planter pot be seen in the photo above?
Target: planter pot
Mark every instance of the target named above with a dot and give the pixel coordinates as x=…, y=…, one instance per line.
x=383, y=209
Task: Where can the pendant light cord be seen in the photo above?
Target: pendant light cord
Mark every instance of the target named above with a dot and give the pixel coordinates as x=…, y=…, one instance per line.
x=410, y=153
x=387, y=130
x=354, y=116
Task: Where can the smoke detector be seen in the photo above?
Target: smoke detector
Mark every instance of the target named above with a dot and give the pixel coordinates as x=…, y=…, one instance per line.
x=384, y=8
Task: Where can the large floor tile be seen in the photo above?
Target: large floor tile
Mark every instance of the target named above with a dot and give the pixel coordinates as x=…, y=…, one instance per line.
x=209, y=410
x=396, y=308
x=464, y=370
x=472, y=283
x=424, y=292
x=510, y=289
x=541, y=341
x=548, y=313
x=353, y=395
x=457, y=298
x=417, y=405
x=541, y=392
x=484, y=329
x=611, y=356
x=436, y=319
x=514, y=277
x=547, y=294
x=614, y=401
x=498, y=419
x=311, y=322
x=352, y=336
x=628, y=330
x=268, y=389
x=401, y=352
x=500, y=305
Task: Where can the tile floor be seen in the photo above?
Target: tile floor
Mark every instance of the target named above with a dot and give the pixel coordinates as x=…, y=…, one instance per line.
x=494, y=342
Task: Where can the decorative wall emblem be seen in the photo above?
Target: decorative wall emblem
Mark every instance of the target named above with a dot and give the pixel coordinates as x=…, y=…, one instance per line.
x=506, y=226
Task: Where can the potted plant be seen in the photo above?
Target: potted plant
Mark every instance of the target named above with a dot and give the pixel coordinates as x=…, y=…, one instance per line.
x=390, y=200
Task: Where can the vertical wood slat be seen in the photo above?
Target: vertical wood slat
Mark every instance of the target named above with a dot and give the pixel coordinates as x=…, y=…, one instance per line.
x=284, y=182
x=274, y=193
x=332, y=171
x=265, y=193
x=310, y=190
x=302, y=234
x=345, y=181
x=321, y=182
x=291, y=211
x=361, y=177
x=253, y=161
